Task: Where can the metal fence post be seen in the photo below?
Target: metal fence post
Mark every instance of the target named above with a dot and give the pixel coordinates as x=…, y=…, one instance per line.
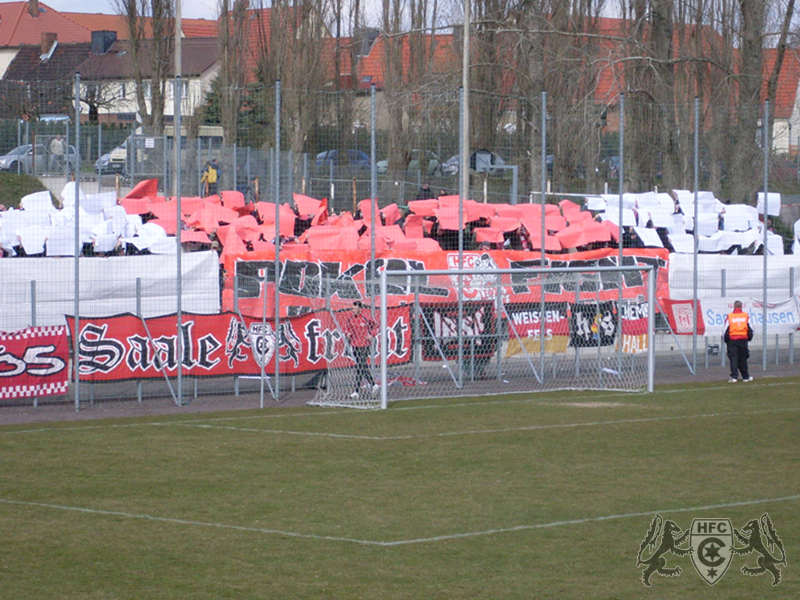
x=33, y=323
x=139, y=314
x=765, y=127
x=76, y=267
x=791, y=335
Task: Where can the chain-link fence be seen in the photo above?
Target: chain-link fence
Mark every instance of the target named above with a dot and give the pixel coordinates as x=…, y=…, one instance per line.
x=626, y=170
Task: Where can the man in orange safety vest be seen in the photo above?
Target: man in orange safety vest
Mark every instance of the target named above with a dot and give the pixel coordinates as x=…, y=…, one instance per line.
x=737, y=335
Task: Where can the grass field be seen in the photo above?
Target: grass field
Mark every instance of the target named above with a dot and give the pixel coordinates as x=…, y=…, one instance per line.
x=545, y=496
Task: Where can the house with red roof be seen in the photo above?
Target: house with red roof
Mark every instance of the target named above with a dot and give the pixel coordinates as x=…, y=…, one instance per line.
x=112, y=70
x=116, y=23
x=43, y=47
x=352, y=63
x=27, y=23
x=786, y=109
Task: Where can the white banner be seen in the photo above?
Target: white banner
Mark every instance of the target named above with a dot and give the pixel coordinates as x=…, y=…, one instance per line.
x=782, y=318
x=733, y=277
x=107, y=287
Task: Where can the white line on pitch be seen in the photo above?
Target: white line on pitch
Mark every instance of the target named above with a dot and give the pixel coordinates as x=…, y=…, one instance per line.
x=492, y=431
x=438, y=538
x=340, y=412
x=456, y=536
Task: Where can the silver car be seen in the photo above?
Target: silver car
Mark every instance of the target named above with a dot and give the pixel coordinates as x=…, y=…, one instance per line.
x=36, y=159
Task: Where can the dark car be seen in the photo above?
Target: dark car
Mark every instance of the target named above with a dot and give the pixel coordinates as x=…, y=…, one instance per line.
x=353, y=158
x=114, y=161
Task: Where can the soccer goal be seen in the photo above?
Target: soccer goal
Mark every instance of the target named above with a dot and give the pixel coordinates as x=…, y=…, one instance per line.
x=456, y=333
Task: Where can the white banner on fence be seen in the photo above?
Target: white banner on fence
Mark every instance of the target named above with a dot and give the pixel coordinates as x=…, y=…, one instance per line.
x=733, y=277
x=782, y=318
x=108, y=287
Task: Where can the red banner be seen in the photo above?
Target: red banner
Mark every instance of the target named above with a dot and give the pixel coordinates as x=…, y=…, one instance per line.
x=309, y=279
x=33, y=362
x=679, y=315
x=633, y=318
x=121, y=347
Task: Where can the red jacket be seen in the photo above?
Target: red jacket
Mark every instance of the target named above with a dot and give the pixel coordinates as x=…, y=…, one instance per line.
x=360, y=329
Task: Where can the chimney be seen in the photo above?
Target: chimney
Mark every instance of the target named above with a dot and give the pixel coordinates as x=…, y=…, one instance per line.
x=48, y=39
x=33, y=8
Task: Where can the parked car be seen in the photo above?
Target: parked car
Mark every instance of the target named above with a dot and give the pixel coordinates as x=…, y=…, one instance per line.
x=431, y=163
x=115, y=161
x=353, y=158
x=23, y=158
x=480, y=161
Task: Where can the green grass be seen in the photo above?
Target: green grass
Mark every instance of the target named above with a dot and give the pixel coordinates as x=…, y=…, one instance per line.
x=502, y=497
x=14, y=187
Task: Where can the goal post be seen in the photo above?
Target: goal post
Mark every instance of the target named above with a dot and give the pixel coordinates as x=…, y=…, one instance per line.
x=458, y=333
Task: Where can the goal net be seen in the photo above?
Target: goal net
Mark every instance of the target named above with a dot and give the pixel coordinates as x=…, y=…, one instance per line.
x=483, y=332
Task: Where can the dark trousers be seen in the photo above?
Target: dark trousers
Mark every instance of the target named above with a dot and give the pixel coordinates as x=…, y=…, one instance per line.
x=361, y=356
x=738, y=353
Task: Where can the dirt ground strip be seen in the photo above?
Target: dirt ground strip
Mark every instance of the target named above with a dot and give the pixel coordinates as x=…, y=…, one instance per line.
x=671, y=371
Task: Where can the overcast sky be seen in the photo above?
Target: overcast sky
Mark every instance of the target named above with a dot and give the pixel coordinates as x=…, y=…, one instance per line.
x=195, y=9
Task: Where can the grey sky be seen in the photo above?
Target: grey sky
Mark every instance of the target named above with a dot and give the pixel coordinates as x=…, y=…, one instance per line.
x=196, y=9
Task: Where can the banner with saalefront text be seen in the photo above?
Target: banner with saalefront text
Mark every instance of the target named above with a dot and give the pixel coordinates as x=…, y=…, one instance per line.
x=125, y=347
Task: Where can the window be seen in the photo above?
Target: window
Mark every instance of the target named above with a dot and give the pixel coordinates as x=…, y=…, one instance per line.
x=184, y=89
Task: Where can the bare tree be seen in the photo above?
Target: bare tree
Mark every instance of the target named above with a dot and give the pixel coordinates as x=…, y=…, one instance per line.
x=291, y=48
x=151, y=29
x=233, y=38
x=419, y=96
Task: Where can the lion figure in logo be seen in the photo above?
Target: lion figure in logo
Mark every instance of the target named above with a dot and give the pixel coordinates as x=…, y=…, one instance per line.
x=751, y=536
x=663, y=537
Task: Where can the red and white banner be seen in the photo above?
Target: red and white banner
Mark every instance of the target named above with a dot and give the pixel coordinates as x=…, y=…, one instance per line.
x=121, y=347
x=680, y=316
x=633, y=327
x=33, y=362
x=308, y=278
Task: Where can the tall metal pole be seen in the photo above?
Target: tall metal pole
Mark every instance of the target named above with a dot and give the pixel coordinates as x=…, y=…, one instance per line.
x=276, y=190
x=178, y=72
x=178, y=263
x=543, y=230
x=621, y=216
x=373, y=184
x=695, y=232
x=77, y=307
x=766, y=234
x=462, y=193
x=621, y=170
x=464, y=180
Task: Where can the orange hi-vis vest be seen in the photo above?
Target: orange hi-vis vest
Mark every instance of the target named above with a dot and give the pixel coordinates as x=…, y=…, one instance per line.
x=737, y=325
